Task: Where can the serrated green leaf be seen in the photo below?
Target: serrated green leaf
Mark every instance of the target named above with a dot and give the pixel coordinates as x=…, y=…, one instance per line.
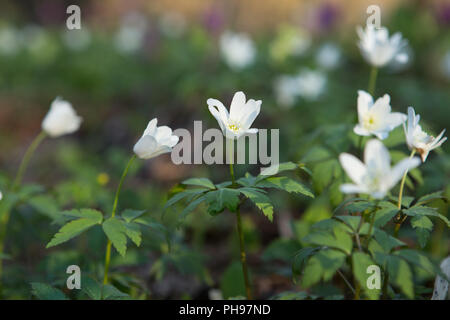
x=400, y=275
x=418, y=259
x=200, y=182
x=423, y=227
x=43, y=291
x=133, y=231
x=385, y=213
x=129, y=215
x=276, y=169
x=220, y=199
x=430, y=197
x=91, y=288
x=260, y=200
x=426, y=211
x=116, y=233
x=386, y=241
x=300, y=259
x=88, y=218
x=247, y=181
x=322, y=266
x=286, y=184
x=361, y=261
x=188, y=194
x=191, y=206
x=338, y=239
x=112, y=293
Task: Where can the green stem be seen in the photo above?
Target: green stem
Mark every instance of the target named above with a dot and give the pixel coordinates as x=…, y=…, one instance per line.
x=400, y=196
x=373, y=80
x=116, y=200
x=248, y=290
x=17, y=181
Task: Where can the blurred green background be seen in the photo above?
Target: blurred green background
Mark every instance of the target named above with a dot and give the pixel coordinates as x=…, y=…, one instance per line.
x=136, y=60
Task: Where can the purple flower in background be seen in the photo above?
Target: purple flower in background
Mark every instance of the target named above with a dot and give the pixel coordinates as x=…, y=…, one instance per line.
x=213, y=19
x=327, y=16
x=443, y=13
x=51, y=11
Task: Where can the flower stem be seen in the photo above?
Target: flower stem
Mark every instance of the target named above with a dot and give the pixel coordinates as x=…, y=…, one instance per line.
x=373, y=80
x=400, y=196
x=116, y=200
x=17, y=181
x=26, y=159
x=248, y=290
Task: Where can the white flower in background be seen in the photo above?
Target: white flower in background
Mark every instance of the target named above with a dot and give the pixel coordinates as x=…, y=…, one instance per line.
x=241, y=116
x=290, y=41
x=328, y=57
x=155, y=141
x=446, y=65
x=311, y=84
x=418, y=139
x=61, y=119
x=237, y=50
x=378, y=49
x=376, y=118
x=172, y=24
x=10, y=42
x=286, y=90
x=130, y=36
x=1, y=195
x=77, y=40
x=375, y=176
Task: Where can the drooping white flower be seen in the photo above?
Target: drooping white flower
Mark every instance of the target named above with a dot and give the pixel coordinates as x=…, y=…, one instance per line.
x=375, y=176
x=418, y=139
x=376, y=118
x=237, y=50
x=311, y=84
x=378, y=49
x=155, y=141
x=241, y=116
x=61, y=119
x=328, y=56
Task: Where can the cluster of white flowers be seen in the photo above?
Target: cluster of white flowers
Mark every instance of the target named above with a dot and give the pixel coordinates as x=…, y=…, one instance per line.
x=375, y=176
x=307, y=84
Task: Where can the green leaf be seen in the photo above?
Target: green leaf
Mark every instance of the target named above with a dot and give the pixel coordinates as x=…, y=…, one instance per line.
x=300, y=259
x=188, y=194
x=191, y=206
x=338, y=239
x=386, y=212
x=286, y=184
x=276, y=169
x=430, y=197
x=260, y=200
x=400, y=275
x=220, y=199
x=322, y=266
x=116, y=233
x=87, y=219
x=426, y=211
x=47, y=206
x=133, y=231
x=43, y=291
x=91, y=288
x=361, y=261
x=201, y=182
x=232, y=281
x=416, y=258
x=151, y=223
x=129, y=215
x=386, y=241
x=112, y=293
x=423, y=227
x=247, y=181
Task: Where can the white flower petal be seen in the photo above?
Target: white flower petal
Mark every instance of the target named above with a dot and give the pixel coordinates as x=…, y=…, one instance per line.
x=400, y=168
x=376, y=156
x=237, y=108
x=145, y=147
x=151, y=127
x=354, y=168
x=351, y=188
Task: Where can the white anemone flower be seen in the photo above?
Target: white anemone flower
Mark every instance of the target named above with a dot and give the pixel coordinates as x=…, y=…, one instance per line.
x=241, y=116
x=378, y=49
x=419, y=140
x=237, y=50
x=376, y=118
x=311, y=84
x=375, y=176
x=155, y=141
x=61, y=119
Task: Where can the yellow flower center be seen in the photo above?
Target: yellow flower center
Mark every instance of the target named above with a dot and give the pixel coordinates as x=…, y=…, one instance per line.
x=233, y=127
